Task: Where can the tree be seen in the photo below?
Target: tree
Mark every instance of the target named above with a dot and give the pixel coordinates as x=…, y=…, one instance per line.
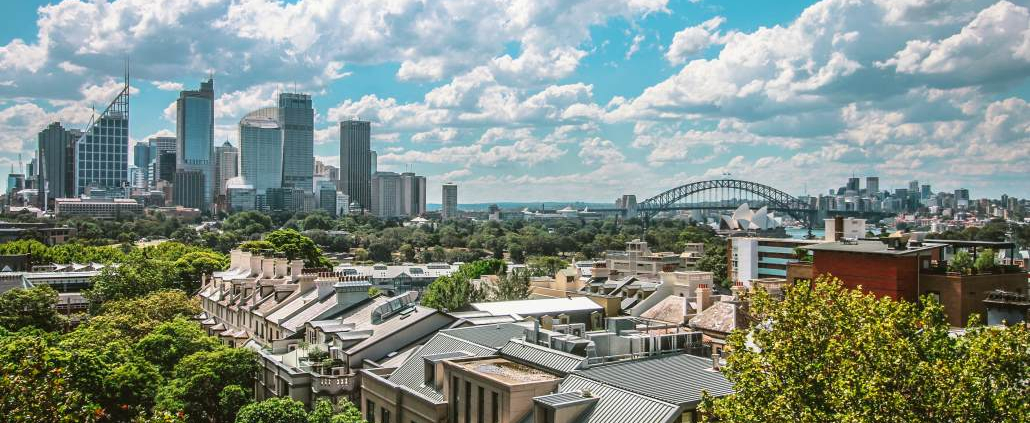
x=35, y=386
x=323, y=412
x=714, y=260
x=985, y=261
x=248, y=223
x=297, y=246
x=455, y=292
x=200, y=379
x=273, y=410
x=961, y=262
x=511, y=287
x=32, y=307
x=827, y=353
x=134, y=318
x=318, y=221
x=191, y=267
x=135, y=278
x=172, y=341
x=545, y=266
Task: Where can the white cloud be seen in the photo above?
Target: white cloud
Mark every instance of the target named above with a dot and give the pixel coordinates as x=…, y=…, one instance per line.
x=597, y=151
x=167, y=85
x=634, y=47
x=693, y=40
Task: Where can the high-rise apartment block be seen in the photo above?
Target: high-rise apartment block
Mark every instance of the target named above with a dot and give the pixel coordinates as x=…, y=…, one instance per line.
x=449, y=208
x=872, y=186
x=195, y=133
x=226, y=167
x=398, y=195
x=355, y=161
x=297, y=120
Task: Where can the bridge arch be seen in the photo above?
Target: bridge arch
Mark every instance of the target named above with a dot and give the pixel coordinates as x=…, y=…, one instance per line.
x=775, y=199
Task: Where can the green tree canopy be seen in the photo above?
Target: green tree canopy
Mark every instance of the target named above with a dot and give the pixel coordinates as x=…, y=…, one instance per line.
x=455, y=292
x=273, y=410
x=32, y=307
x=171, y=341
x=985, y=261
x=826, y=353
x=961, y=262
x=510, y=287
x=297, y=246
x=199, y=379
x=545, y=266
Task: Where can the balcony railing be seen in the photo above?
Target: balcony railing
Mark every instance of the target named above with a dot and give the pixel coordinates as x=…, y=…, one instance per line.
x=333, y=385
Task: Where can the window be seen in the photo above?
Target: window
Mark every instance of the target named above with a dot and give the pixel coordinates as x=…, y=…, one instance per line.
x=370, y=411
x=495, y=408
x=454, y=399
x=468, y=402
x=385, y=414
x=480, y=413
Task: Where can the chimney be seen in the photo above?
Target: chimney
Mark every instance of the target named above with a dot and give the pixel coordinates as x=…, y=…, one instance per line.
x=296, y=268
x=234, y=259
x=738, y=290
x=268, y=267
x=281, y=267
x=305, y=283
x=838, y=228
x=255, y=264
x=244, y=260
x=704, y=297
x=715, y=361
x=351, y=291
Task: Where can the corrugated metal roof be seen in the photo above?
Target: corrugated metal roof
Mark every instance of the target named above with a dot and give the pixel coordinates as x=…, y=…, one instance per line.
x=677, y=379
x=560, y=398
x=553, y=306
x=616, y=405
x=478, y=341
x=546, y=358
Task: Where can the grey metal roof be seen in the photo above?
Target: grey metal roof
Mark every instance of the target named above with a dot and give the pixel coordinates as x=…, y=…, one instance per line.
x=560, y=398
x=553, y=360
x=493, y=336
x=476, y=341
x=616, y=405
x=870, y=247
x=677, y=379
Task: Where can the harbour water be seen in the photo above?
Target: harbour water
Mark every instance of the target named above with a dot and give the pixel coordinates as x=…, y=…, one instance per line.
x=801, y=233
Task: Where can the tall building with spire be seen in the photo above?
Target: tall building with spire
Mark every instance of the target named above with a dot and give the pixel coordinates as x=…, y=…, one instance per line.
x=102, y=152
x=194, y=139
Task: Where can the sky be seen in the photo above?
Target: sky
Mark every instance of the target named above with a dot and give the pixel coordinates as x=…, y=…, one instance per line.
x=574, y=100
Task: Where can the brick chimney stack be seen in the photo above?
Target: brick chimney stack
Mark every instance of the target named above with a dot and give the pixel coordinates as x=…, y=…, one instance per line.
x=704, y=297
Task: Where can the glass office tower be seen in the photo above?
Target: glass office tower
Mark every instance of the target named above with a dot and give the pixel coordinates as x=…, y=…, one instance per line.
x=195, y=133
x=297, y=120
x=102, y=152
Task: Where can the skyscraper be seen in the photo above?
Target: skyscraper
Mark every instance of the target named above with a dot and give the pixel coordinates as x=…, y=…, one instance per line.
x=162, y=160
x=373, y=161
x=102, y=152
x=872, y=186
x=195, y=134
x=450, y=201
x=853, y=184
x=226, y=164
x=413, y=194
x=386, y=198
x=261, y=146
x=297, y=120
x=141, y=157
x=57, y=148
x=355, y=161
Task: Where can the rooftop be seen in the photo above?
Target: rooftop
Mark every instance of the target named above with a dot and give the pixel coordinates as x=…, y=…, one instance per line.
x=506, y=371
x=676, y=379
x=871, y=247
x=553, y=306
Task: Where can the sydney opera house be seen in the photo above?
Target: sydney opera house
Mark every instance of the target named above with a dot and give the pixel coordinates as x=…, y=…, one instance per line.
x=744, y=219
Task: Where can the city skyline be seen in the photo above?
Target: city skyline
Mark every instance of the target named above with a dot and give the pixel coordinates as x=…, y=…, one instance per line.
x=572, y=103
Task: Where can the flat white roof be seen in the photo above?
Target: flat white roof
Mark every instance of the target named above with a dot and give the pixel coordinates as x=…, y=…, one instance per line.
x=553, y=306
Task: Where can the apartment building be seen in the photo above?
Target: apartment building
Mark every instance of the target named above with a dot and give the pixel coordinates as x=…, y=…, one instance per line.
x=97, y=208
x=751, y=258
x=639, y=260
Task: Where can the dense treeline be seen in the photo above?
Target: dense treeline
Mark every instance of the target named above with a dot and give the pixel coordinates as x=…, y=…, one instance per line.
x=829, y=354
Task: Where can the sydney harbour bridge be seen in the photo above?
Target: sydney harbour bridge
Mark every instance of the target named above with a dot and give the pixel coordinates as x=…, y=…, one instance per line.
x=729, y=194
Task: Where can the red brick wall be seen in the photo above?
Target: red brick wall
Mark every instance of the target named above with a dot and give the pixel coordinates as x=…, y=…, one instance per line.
x=883, y=275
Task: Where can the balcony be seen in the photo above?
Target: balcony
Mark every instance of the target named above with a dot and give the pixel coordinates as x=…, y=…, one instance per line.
x=333, y=385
